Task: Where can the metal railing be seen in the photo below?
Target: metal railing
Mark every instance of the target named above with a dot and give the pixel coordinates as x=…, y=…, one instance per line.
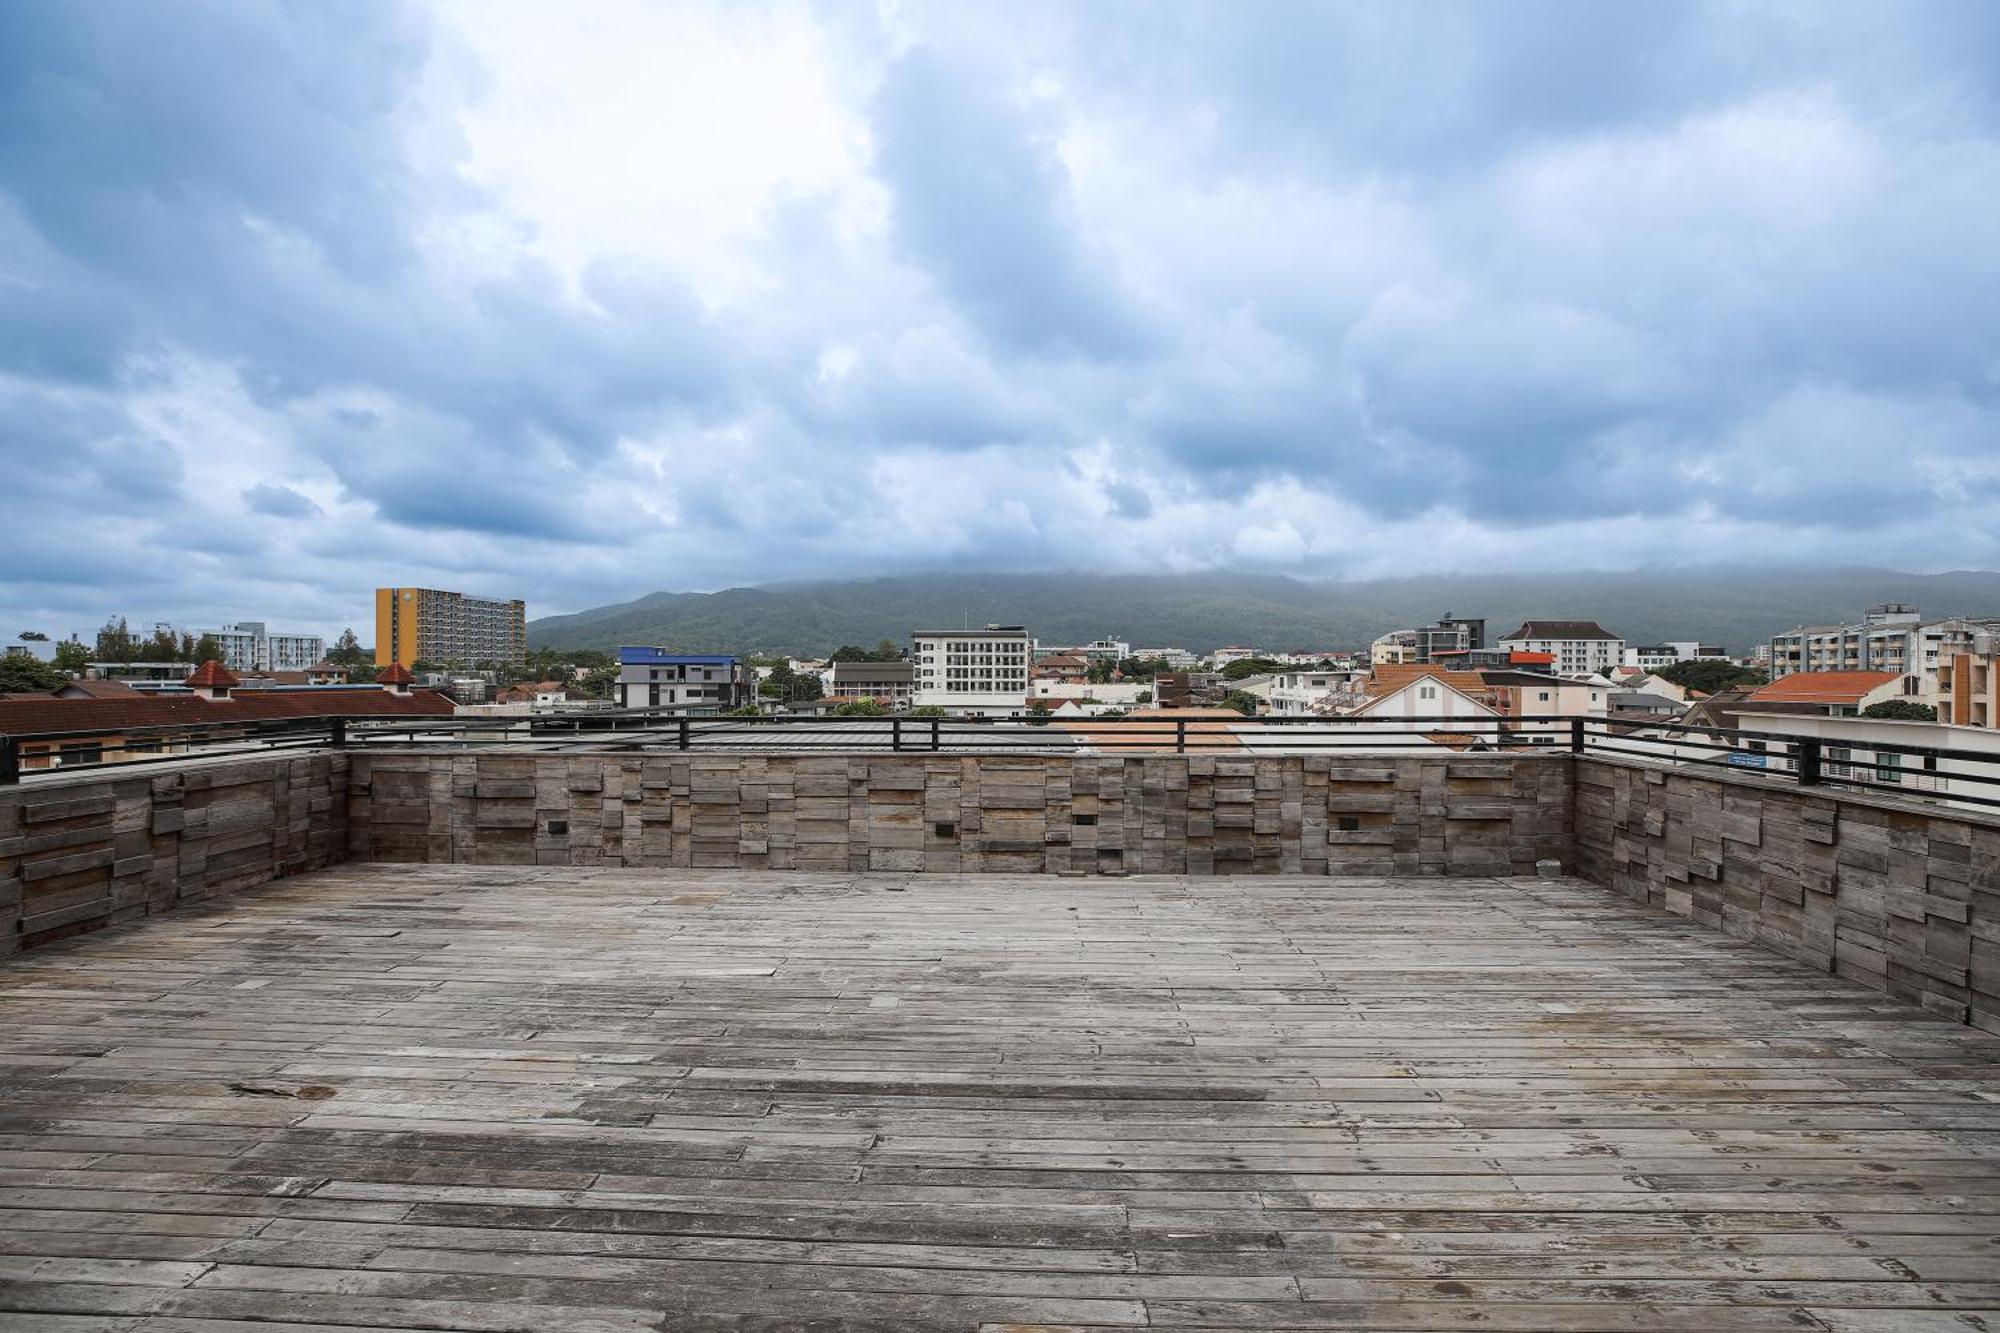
x=1971, y=777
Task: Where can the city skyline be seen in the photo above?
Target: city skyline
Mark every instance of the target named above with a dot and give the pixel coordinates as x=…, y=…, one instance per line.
x=298, y=302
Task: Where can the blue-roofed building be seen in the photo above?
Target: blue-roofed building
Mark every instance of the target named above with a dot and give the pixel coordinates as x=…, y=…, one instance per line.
x=695, y=682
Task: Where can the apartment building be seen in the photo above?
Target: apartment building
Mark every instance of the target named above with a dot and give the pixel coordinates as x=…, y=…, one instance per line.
x=1579, y=647
x=975, y=671
x=1222, y=657
x=249, y=645
x=432, y=625
x=1109, y=650
x=1451, y=634
x=1892, y=636
x=1178, y=659
x=693, y=682
x=1652, y=657
x=1968, y=684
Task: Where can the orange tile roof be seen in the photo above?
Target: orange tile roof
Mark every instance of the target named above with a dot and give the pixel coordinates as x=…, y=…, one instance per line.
x=1823, y=687
x=212, y=675
x=47, y=713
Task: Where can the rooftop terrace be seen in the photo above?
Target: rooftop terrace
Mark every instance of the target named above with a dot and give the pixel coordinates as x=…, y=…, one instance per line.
x=572, y=1098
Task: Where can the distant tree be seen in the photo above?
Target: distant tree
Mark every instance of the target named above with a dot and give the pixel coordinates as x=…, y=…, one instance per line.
x=1709, y=674
x=22, y=674
x=1901, y=710
x=348, y=652
x=858, y=708
x=928, y=710
x=888, y=650
x=1143, y=668
x=72, y=658
x=884, y=651
x=1038, y=712
x=115, y=642
x=1251, y=666
x=1245, y=704
x=206, y=649
x=1112, y=712
x=33, y=636
x=1144, y=696
x=747, y=710
x=163, y=646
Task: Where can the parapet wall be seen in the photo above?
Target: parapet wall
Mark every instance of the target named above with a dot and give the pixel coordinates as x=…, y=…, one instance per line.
x=1899, y=895
x=1196, y=814
x=110, y=846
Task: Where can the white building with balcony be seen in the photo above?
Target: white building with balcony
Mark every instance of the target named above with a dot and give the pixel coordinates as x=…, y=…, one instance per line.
x=977, y=672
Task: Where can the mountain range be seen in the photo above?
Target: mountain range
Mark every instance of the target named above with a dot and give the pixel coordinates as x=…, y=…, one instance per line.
x=1733, y=607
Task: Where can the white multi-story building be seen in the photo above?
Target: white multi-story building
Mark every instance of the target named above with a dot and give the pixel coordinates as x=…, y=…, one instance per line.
x=250, y=646
x=1180, y=659
x=1890, y=637
x=973, y=671
x=1651, y=657
x=1107, y=650
x=1306, y=693
x=1579, y=647
x=1222, y=657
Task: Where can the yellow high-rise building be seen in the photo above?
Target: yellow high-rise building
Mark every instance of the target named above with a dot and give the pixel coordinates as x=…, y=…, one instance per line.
x=428, y=625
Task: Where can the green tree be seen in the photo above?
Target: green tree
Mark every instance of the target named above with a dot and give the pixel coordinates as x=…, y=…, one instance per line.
x=928, y=710
x=858, y=708
x=22, y=674
x=1251, y=666
x=747, y=710
x=348, y=652
x=1901, y=710
x=115, y=642
x=33, y=636
x=1709, y=674
x=72, y=659
x=206, y=649
x=1245, y=704
x=1038, y=712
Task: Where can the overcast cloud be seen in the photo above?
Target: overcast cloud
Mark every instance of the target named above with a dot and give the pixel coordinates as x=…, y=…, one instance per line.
x=579, y=302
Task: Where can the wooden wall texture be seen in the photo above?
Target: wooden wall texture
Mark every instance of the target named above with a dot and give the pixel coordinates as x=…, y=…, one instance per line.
x=1312, y=814
x=1897, y=895
x=80, y=853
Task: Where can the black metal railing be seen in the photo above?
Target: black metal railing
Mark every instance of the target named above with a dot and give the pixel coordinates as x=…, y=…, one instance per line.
x=1958, y=775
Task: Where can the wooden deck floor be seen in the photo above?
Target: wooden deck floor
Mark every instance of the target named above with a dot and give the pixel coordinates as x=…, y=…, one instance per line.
x=462, y=1098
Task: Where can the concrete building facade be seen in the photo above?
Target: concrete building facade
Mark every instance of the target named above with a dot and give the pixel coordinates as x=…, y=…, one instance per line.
x=692, y=682
x=431, y=625
x=1578, y=646
x=975, y=671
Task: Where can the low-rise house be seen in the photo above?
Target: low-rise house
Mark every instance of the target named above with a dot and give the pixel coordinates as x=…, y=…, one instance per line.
x=543, y=693
x=1306, y=693
x=891, y=684
x=1061, y=666
x=1832, y=693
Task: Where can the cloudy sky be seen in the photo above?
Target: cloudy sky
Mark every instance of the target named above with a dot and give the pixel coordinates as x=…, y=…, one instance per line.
x=575, y=302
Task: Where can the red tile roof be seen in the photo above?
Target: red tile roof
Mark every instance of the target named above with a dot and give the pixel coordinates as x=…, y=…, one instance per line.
x=394, y=674
x=25, y=716
x=1822, y=687
x=212, y=674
